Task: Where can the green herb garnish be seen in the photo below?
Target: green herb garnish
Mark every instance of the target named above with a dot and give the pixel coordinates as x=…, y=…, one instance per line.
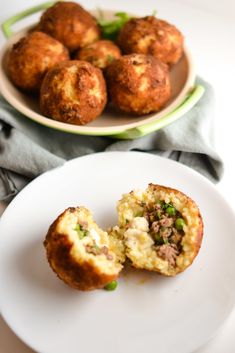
x=159, y=214
x=110, y=29
x=166, y=205
x=110, y=58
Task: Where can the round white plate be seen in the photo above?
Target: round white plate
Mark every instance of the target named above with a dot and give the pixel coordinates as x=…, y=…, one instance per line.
x=147, y=313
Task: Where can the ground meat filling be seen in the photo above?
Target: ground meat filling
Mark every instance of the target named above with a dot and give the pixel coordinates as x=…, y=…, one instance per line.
x=166, y=228
x=92, y=248
x=96, y=250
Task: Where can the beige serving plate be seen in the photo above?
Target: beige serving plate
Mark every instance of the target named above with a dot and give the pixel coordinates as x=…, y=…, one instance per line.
x=183, y=97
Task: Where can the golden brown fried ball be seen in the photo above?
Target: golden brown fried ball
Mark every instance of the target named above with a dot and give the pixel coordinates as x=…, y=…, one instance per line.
x=69, y=23
x=31, y=57
x=149, y=35
x=73, y=92
x=100, y=54
x=78, y=251
x=162, y=229
x=138, y=84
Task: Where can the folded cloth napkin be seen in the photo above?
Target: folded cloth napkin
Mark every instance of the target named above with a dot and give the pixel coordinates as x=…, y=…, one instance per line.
x=28, y=149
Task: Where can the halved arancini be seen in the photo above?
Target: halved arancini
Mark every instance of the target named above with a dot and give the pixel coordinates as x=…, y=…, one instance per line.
x=79, y=252
x=163, y=229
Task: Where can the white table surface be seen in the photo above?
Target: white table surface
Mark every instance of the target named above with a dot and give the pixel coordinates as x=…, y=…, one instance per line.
x=209, y=29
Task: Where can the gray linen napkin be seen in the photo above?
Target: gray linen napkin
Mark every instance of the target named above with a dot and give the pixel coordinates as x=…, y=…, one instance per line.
x=28, y=149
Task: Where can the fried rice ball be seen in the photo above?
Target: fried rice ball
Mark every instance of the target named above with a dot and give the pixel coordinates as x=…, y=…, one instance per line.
x=162, y=229
x=79, y=252
x=69, y=23
x=150, y=35
x=73, y=92
x=31, y=57
x=138, y=84
x=100, y=54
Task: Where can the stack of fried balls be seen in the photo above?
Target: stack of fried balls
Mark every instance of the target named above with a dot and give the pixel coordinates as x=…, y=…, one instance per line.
x=77, y=69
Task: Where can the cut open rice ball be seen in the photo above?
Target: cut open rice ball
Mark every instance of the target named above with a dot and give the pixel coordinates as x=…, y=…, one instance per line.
x=80, y=253
x=162, y=229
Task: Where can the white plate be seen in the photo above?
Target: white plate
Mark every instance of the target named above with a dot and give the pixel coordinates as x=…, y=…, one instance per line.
x=147, y=313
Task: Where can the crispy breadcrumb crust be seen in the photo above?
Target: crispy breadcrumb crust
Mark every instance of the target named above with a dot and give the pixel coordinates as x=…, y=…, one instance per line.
x=69, y=23
x=100, y=54
x=150, y=35
x=73, y=92
x=32, y=57
x=138, y=84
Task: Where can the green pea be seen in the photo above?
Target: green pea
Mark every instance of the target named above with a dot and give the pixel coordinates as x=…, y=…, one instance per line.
x=179, y=223
x=111, y=285
x=171, y=211
x=158, y=239
x=77, y=227
x=81, y=233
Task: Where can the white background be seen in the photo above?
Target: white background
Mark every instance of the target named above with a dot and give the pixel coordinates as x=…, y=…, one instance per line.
x=209, y=29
